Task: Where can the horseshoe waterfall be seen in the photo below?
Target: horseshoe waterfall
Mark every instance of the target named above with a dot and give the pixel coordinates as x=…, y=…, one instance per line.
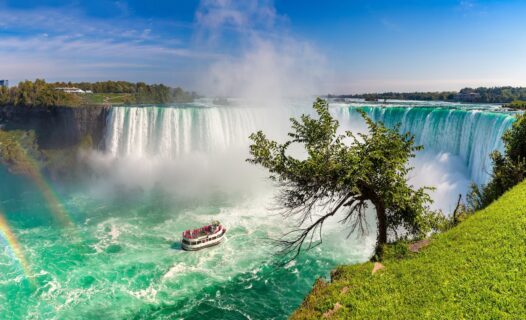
x=172, y=132
x=160, y=170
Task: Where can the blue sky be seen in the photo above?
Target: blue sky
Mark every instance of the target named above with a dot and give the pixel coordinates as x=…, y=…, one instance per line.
x=338, y=46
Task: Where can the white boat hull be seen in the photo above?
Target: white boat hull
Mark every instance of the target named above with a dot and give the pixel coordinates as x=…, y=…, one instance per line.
x=204, y=242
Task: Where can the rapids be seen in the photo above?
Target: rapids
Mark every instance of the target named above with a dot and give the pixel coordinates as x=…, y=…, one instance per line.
x=162, y=170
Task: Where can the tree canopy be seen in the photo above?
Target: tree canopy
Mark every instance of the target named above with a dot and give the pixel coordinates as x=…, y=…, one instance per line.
x=142, y=92
x=43, y=94
x=343, y=173
x=481, y=94
x=36, y=93
x=516, y=104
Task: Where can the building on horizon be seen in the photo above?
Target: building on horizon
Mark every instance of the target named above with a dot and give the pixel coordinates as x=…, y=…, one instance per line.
x=4, y=83
x=73, y=90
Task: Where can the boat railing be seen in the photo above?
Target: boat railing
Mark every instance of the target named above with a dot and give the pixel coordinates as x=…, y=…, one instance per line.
x=201, y=232
x=194, y=241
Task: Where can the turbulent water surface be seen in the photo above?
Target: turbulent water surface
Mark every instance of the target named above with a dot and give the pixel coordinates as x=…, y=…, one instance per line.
x=107, y=247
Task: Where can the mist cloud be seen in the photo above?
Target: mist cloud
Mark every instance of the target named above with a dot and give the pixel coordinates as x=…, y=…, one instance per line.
x=270, y=63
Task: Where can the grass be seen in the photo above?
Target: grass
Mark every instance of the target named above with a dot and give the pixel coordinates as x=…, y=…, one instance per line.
x=106, y=98
x=476, y=270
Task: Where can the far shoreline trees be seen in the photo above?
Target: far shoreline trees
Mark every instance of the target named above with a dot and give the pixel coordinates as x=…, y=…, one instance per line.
x=480, y=95
x=341, y=177
x=39, y=93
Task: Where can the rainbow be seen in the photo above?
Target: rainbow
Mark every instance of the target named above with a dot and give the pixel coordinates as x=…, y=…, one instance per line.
x=14, y=249
x=29, y=167
x=54, y=205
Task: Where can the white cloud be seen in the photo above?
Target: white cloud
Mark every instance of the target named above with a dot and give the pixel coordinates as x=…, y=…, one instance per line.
x=58, y=44
x=246, y=15
x=237, y=48
x=271, y=63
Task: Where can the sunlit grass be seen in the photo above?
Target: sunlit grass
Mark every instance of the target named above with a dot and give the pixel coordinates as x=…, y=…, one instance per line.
x=109, y=98
x=474, y=271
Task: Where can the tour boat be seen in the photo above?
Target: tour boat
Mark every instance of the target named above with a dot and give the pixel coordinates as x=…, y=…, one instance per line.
x=203, y=237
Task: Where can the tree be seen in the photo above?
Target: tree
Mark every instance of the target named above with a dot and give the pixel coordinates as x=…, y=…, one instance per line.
x=343, y=173
x=42, y=94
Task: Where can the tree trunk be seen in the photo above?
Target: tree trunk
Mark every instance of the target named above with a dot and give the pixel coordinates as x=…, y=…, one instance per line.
x=382, y=230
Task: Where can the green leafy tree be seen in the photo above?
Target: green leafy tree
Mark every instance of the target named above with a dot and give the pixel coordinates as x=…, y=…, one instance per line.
x=42, y=94
x=343, y=173
x=4, y=96
x=492, y=95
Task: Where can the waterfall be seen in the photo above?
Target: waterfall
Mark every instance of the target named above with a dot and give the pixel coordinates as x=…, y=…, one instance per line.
x=470, y=134
x=171, y=132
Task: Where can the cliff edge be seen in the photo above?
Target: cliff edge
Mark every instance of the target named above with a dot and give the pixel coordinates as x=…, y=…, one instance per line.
x=57, y=127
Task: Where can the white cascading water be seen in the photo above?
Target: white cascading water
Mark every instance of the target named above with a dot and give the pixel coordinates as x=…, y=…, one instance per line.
x=172, y=132
x=470, y=134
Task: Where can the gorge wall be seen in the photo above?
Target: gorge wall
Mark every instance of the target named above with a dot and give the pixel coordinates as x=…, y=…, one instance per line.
x=57, y=127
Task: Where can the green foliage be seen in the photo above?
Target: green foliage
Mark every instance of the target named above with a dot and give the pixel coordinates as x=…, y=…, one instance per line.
x=37, y=93
x=473, y=271
x=18, y=151
x=419, y=96
x=515, y=139
x=42, y=94
x=509, y=168
x=495, y=94
x=481, y=94
x=516, y=104
x=108, y=98
x=343, y=173
x=397, y=250
x=437, y=221
x=129, y=92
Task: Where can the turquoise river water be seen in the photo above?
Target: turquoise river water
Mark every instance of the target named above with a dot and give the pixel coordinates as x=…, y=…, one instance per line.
x=163, y=170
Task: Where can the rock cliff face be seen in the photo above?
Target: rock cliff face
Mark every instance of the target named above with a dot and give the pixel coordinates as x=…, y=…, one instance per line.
x=57, y=127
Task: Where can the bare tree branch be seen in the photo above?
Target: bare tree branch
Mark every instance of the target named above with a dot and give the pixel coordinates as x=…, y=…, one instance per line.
x=295, y=244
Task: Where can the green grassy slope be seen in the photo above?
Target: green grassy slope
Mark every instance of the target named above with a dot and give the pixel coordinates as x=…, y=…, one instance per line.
x=476, y=270
x=107, y=98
